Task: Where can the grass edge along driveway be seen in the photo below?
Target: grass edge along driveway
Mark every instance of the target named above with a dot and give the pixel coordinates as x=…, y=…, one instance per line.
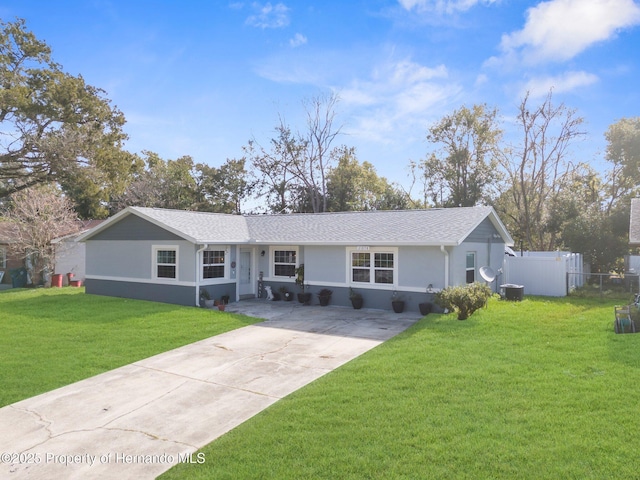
x=537, y=389
x=54, y=337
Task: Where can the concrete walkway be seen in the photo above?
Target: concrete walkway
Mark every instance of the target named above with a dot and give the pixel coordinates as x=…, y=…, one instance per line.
x=139, y=420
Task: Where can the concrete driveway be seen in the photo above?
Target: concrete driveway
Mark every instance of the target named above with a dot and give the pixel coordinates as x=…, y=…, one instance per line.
x=139, y=420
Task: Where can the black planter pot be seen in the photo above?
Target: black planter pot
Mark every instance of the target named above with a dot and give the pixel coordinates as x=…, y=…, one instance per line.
x=398, y=306
x=324, y=300
x=357, y=302
x=425, y=308
x=304, y=298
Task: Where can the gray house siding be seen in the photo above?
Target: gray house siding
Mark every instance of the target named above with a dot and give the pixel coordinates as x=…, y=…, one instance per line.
x=134, y=259
x=133, y=227
x=175, y=294
x=325, y=265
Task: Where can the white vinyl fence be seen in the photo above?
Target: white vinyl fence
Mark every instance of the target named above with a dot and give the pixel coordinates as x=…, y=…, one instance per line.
x=545, y=273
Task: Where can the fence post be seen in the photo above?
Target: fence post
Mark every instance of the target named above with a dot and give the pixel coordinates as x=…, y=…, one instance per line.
x=600, y=275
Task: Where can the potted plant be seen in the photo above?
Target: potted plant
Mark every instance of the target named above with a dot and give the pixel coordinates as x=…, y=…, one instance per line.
x=286, y=295
x=356, y=299
x=206, y=298
x=303, y=297
x=397, y=302
x=324, y=296
x=426, y=307
x=222, y=304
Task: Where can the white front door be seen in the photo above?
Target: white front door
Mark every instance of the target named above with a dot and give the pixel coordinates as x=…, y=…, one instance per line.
x=246, y=283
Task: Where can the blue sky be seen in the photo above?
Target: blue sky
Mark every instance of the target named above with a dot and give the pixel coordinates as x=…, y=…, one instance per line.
x=201, y=78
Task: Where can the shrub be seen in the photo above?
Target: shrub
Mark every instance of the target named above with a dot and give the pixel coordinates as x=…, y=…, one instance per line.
x=464, y=299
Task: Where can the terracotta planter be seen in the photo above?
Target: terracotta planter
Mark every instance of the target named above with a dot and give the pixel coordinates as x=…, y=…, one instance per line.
x=221, y=307
x=75, y=283
x=56, y=280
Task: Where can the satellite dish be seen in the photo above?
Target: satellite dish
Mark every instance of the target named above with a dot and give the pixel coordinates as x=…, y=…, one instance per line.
x=487, y=274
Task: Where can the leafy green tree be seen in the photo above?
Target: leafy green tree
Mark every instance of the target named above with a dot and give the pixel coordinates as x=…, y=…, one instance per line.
x=623, y=154
x=163, y=184
x=223, y=189
x=54, y=124
x=356, y=186
x=465, y=171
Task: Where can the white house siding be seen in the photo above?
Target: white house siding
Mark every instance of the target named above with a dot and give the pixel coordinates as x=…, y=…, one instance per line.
x=70, y=258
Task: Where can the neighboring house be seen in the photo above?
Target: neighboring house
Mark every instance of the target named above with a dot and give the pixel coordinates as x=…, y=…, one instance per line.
x=169, y=255
x=8, y=261
x=70, y=255
x=634, y=223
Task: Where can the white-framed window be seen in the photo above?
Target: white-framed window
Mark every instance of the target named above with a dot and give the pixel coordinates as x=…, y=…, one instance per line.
x=213, y=264
x=3, y=257
x=471, y=267
x=165, y=262
x=284, y=261
x=375, y=266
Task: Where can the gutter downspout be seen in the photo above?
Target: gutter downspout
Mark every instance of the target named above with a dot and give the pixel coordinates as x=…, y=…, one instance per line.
x=446, y=265
x=197, y=272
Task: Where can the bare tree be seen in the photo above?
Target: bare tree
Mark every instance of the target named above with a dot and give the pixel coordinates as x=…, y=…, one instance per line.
x=320, y=135
x=538, y=169
x=275, y=167
x=294, y=171
x=37, y=216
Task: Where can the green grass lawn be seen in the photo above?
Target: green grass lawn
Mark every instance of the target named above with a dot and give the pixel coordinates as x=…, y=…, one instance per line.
x=53, y=337
x=537, y=389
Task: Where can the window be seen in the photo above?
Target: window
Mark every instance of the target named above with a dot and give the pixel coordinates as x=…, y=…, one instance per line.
x=213, y=264
x=165, y=262
x=471, y=267
x=284, y=263
x=380, y=271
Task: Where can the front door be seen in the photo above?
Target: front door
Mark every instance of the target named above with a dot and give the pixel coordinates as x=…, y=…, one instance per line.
x=246, y=283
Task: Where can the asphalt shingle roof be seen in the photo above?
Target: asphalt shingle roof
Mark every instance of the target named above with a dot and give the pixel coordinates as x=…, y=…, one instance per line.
x=424, y=227
x=409, y=227
x=200, y=227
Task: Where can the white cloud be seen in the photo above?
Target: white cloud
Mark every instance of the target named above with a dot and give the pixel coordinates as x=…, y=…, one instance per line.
x=398, y=97
x=297, y=40
x=558, y=30
x=269, y=16
x=566, y=82
x=442, y=6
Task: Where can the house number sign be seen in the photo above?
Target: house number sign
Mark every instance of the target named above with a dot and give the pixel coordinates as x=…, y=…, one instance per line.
x=362, y=247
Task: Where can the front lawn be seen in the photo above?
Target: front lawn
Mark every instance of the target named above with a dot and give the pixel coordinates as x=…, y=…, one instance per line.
x=537, y=389
x=53, y=337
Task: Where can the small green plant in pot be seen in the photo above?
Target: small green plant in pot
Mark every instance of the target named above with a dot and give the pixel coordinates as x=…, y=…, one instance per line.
x=303, y=297
x=205, y=298
x=464, y=299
